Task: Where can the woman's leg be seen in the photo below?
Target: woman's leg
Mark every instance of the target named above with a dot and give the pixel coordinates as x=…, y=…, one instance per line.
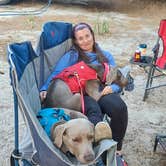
x=92, y=110
x=115, y=107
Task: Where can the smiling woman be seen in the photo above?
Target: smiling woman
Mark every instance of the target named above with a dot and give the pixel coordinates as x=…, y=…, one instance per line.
x=85, y=40
x=86, y=49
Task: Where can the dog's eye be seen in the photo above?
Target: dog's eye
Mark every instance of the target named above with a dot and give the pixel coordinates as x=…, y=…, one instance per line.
x=76, y=139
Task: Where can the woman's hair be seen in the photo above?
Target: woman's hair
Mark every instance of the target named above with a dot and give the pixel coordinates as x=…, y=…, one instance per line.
x=82, y=56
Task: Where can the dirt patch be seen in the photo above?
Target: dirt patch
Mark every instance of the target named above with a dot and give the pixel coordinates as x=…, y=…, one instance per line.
x=127, y=29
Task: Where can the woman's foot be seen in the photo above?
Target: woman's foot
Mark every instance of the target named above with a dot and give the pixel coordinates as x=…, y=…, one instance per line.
x=102, y=131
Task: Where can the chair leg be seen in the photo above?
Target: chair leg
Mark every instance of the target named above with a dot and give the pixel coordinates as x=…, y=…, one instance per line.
x=156, y=143
x=160, y=139
x=149, y=82
x=152, y=74
x=145, y=95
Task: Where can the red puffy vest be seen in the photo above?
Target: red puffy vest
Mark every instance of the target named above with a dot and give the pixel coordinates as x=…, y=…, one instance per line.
x=76, y=76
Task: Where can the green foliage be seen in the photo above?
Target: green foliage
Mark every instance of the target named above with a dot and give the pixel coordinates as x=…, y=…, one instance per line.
x=102, y=27
x=30, y=21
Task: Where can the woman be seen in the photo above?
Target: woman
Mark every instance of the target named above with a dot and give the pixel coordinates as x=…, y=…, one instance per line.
x=86, y=49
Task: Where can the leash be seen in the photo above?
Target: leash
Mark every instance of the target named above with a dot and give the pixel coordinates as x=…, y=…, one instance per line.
x=81, y=92
x=106, y=70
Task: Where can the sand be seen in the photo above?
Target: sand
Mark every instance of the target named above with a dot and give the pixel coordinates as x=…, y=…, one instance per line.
x=127, y=29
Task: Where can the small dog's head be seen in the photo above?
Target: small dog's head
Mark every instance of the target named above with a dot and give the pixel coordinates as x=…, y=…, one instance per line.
x=77, y=137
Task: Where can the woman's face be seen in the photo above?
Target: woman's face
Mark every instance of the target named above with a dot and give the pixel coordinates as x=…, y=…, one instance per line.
x=84, y=39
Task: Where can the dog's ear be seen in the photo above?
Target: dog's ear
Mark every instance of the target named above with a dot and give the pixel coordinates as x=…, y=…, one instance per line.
x=111, y=76
x=98, y=68
x=119, y=74
x=122, y=77
x=57, y=135
x=75, y=115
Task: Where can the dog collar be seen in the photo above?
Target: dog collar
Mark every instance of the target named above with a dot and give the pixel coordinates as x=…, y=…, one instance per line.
x=106, y=70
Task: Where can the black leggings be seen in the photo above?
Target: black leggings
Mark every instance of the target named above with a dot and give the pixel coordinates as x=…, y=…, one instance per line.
x=115, y=108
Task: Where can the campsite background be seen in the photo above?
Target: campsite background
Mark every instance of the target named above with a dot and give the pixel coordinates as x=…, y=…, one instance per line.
x=119, y=29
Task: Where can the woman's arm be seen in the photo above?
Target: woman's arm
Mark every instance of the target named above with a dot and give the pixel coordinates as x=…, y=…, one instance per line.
x=113, y=87
x=66, y=60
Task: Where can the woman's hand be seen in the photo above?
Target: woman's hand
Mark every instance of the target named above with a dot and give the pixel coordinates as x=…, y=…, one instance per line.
x=107, y=90
x=43, y=95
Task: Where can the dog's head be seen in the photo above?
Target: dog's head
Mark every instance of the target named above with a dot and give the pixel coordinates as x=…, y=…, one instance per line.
x=77, y=137
x=114, y=75
x=118, y=76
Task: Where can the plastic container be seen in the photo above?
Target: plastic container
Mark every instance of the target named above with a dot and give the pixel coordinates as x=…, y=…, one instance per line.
x=137, y=56
x=142, y=48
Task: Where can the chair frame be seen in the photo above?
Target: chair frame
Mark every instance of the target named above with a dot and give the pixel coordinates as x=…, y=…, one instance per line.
x=151, y=73
x=24, y=65
x=152, y=69
x=160, y=139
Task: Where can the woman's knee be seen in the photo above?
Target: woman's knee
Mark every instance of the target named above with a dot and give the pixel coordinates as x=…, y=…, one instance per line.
x=116, y=108
x=113, y=105
x=92, y=110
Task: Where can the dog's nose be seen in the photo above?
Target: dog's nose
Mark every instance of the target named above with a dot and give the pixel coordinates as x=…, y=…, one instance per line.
x=89, y=157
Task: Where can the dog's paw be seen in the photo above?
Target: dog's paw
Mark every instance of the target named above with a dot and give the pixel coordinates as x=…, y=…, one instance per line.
x=102, y=131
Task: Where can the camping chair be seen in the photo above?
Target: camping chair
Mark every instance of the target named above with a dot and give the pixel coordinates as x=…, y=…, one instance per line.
x=158, y=63
x=160, y=139
x=25, y=73
x=154, y=66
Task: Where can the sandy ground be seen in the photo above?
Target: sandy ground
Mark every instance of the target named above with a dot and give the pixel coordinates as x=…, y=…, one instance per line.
x=127, y=30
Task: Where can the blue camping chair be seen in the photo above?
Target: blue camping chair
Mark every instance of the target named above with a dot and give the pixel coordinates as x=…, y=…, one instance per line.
x=28, y=71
